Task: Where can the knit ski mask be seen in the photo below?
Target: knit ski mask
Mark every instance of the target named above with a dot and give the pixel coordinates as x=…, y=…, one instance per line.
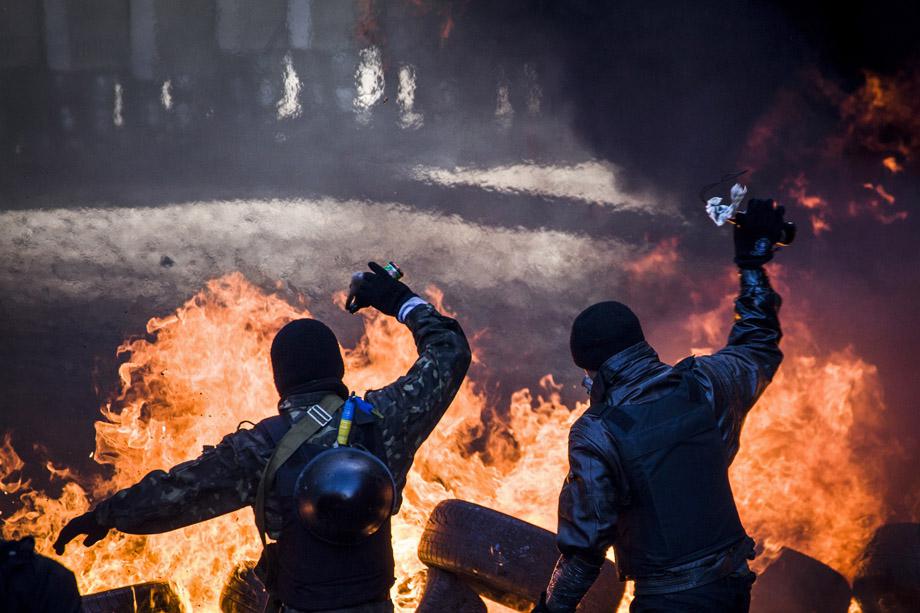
x=306, y=358
x=601, y=331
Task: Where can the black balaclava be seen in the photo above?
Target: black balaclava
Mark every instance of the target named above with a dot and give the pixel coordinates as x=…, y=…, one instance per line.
x=306, y=358
x=601, y=331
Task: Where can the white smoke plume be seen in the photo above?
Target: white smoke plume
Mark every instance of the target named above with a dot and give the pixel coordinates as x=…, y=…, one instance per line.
x=92, y=253
x=594, y=182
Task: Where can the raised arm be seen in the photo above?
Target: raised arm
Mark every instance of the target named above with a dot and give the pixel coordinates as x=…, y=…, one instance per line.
x=413, y=404
x=738, y=374
x=593, y=488
x=221, y=480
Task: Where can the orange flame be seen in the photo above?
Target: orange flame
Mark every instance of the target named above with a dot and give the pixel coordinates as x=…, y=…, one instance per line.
x=804, y=476
x=881, y=115
x=877, y=119
x=447, y=27
x=660, y=260
x=207, y=368
x=799, y=477
x=891, y=163
x=10, y=464
x=797, y=188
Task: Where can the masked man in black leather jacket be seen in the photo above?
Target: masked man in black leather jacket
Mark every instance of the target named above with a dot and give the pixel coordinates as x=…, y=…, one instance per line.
x=32, y=583
x=648, y=461
x=308, y=572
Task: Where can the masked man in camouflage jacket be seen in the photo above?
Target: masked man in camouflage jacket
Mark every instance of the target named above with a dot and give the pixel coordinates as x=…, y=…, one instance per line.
x=309, y=573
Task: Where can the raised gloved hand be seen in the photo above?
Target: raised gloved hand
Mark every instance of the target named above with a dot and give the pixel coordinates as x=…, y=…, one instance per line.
x=758, y=231
x=83, y=524
x=377, y=289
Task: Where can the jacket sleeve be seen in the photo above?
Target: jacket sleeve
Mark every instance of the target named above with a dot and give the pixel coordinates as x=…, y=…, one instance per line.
x=221, y=480
x=588, y=511
x=737, y=375
x=413, y=404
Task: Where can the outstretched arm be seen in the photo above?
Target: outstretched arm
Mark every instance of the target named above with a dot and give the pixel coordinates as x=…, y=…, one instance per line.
x=221, y=480
x=413, y=404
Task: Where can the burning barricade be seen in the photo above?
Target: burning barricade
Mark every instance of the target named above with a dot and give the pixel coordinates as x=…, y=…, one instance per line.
x=797, y=479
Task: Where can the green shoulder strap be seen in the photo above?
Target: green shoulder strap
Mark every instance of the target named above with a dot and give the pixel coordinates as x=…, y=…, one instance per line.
x=317, y=416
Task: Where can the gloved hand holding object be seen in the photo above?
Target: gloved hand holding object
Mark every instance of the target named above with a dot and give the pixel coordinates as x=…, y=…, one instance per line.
x=379, y=288
x=83, y=524
x=758, y=231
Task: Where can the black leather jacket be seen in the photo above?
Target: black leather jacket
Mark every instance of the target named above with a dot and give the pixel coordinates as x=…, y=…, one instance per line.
x=596, y=489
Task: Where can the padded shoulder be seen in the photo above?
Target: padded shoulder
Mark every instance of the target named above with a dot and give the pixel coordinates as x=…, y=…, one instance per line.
x=274, y=427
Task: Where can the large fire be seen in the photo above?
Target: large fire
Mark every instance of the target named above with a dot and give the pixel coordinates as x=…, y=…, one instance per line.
x=876, y=130
x=205, y=368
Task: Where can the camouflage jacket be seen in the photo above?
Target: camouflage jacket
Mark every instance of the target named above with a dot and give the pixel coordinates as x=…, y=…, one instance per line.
x=225, y=477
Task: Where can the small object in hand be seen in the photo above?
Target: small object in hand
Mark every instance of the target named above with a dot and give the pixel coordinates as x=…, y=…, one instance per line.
x=359, y=288
x=394, y=270
x=720, y=213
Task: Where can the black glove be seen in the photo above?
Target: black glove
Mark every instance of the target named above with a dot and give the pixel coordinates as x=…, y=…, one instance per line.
x=83, y=524
x=541, y=606
x=758, y=231
x=377, y=289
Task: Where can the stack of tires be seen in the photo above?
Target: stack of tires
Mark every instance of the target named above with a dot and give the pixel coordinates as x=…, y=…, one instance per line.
x=887, y=578
x=474, y=552
x=471, y=552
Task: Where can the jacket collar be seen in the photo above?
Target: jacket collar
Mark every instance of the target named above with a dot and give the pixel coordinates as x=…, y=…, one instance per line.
x=295, y=402
x=624, y=371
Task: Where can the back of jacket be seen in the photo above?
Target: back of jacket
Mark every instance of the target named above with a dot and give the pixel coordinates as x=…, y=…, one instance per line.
x=680, y=505
x=309, y=573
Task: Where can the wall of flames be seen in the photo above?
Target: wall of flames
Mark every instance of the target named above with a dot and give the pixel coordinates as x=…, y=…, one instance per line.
x=799, y=479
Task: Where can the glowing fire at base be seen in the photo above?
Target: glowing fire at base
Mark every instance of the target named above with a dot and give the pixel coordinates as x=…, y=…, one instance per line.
x=207, y=369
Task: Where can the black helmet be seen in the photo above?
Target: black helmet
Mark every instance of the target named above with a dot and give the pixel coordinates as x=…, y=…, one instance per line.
x=344, y=494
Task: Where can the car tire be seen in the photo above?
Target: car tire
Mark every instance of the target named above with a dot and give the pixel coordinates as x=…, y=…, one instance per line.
x=243, y=591
x=888, y=578
x=797, y=583
x=445, y=591
x=149, y=597
x=503, y=558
